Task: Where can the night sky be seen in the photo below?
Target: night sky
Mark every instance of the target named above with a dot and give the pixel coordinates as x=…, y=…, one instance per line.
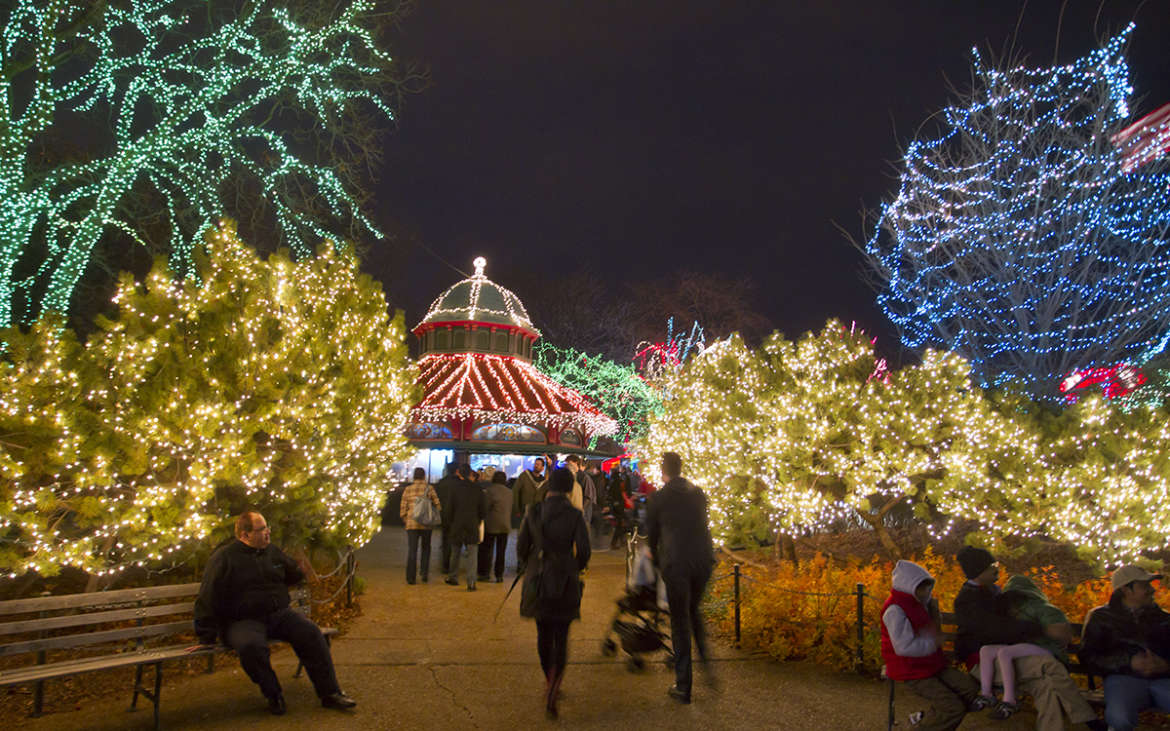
x=646, y=136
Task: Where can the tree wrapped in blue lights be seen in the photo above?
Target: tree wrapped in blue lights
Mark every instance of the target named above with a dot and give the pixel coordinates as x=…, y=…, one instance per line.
x=1016, y=238
x=178, y=99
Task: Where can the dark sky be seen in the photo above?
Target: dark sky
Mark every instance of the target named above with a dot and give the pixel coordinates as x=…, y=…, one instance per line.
x=643, y=136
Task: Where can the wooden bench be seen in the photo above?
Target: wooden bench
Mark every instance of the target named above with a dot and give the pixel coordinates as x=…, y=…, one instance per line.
x=947, y=638
x=108, y=629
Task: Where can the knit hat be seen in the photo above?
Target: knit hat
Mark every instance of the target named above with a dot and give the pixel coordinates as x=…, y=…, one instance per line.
x=974, y=561
x=1130, y=573
x=561, y=480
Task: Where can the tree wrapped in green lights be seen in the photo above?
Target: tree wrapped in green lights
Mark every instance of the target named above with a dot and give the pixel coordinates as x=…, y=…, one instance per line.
x=180, y=101
x=617, y=390
x=279, y=385
x=1022, y=238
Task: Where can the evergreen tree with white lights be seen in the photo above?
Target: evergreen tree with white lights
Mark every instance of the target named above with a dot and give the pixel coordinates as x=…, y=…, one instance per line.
x=180, y=100
x=1021, y=238
x=278, y=385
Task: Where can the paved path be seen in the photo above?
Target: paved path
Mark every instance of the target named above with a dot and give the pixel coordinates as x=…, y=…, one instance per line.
x=430, y=656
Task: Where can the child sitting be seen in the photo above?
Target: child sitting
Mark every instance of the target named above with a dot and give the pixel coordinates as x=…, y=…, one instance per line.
x=1021, y=599
x=911, y=652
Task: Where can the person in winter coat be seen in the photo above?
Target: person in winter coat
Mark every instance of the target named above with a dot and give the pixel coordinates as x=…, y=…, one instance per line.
x=1128, y=642
x=496, y=526
x=982, y=620
x=911, y=651
x=417, y=533
x=244, y=600
x=462, y=513
x=553, y=547
x=619, y=506
x=1021, y=599
x=525, y=487
x=443, y=489
x=680, y=544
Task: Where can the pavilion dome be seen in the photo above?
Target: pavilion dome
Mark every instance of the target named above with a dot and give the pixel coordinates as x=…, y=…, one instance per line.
x=480, y=300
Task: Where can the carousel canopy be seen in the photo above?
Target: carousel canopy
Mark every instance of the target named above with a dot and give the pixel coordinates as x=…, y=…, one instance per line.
x=480, y=300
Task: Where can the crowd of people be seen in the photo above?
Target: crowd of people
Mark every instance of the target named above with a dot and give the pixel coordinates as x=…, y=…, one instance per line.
x=1015, y=637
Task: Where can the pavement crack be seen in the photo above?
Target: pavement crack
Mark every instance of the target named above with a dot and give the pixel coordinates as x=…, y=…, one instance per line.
x=454, y=698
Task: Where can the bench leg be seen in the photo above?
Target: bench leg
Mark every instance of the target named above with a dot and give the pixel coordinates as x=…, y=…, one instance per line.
x=890, y=712
x=38, y=699
x=137, y=687
x=157, y=691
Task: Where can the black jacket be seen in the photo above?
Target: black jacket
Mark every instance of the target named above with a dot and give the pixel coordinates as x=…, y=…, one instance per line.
x=982, y=620
x=241, y=582
x=553, y=548
x=1115, y=633
x=462, y=512
x=443, y=489
x=677, y=529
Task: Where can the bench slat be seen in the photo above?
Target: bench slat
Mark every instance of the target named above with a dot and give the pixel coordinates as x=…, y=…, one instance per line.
x=96, y=638
x=96, y=598
x=80, y=620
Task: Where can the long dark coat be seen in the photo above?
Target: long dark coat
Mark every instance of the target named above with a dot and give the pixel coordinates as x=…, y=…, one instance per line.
x=553, y=547
x=677, y=530
x=463, y=511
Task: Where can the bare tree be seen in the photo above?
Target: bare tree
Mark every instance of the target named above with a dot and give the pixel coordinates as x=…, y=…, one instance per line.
x=1020, y=238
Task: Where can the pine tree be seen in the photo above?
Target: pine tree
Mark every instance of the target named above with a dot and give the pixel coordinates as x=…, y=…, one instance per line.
x=275, y=385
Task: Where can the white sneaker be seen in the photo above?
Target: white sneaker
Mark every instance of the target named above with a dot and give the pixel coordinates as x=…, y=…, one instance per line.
x=916, y=717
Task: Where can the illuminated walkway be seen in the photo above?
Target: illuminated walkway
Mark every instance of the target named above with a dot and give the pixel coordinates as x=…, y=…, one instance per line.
x=430, y=657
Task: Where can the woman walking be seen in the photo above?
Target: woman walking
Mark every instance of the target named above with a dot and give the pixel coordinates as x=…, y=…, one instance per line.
x=553, y=547
x=416, y=532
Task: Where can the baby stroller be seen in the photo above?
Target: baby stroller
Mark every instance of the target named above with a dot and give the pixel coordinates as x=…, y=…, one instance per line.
x=641, y=614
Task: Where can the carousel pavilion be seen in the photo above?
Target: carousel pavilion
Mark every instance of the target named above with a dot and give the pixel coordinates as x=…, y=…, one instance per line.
x=483, y=400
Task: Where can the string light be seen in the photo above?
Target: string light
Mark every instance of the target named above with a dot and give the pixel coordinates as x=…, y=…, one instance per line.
x=183, y=102
x=279, y=385
x=791, y=437
x=1020, y=238
x=616, y=390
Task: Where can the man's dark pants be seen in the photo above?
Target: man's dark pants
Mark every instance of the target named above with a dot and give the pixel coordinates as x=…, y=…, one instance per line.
x=950, y=692
x=445, y=550
x=683, y=592
x=413, y=538
x=249, y=638
x=497, y=542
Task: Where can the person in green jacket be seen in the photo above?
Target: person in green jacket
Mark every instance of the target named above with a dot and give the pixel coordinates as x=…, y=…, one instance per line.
x=1021, y=599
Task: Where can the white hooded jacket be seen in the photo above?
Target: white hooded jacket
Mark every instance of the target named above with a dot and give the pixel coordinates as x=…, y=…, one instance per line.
x=906, y=578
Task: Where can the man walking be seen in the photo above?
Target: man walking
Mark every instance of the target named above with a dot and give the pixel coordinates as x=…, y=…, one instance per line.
x=1128, y=642
x=496, y=527
x=680, y=544
x=527, y=483
x=244, y=600
x=462, y=513
x=443, y=489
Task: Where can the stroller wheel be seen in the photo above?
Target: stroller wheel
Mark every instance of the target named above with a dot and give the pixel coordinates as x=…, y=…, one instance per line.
x=608, y=647
x=635, y=664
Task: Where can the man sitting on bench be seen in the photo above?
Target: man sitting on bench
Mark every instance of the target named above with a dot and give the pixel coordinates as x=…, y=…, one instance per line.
x=244, y=600
x=1128, y=642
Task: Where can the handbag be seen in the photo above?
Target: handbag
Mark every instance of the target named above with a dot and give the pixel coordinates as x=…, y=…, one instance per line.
x=424, y=511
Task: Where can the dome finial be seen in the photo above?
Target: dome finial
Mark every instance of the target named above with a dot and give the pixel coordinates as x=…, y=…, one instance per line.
x=479, y=263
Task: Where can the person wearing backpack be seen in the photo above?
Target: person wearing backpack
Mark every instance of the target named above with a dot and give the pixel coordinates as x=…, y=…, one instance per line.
x=418, y=494
x=553, y=548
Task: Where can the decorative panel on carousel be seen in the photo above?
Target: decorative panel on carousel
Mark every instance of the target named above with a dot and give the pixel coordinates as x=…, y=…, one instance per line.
x=508, y=433
x=428, y=431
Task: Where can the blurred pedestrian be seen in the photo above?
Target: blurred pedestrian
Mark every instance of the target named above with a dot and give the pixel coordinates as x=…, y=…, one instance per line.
x=496, y=527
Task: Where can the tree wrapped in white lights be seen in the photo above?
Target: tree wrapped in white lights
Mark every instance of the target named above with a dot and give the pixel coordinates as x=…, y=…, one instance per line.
x=279, y=385
x=194, y=96
x=797, y=434
x=1021, y=238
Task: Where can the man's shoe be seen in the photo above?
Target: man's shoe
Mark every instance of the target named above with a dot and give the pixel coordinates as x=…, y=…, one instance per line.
x=679, y=694
x=424, y=578
x=338, y=700
x=471, y=588
x=499, y=579
x=451, y=582
x=276, y=705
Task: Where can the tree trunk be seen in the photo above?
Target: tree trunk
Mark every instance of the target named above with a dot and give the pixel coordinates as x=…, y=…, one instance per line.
x=788, y=548
x=883, y=535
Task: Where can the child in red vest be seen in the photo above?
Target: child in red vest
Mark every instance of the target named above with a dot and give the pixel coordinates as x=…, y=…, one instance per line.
x=911, y=651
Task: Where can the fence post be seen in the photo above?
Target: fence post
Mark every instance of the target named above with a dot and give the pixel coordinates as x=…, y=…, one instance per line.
x=860, y=627
x=735, y=571
x=349, y=569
